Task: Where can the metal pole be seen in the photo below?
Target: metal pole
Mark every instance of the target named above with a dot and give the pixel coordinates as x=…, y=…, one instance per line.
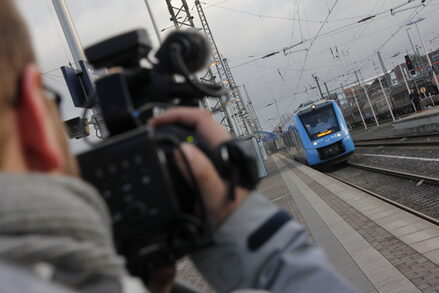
x=387, y=99
x=431, y=98
x=252, y=110
x=386, y=74
x=413, y=48
x=318, y=85
x=405, y=79
x=359, y=109
x=428, y=57
x=406, y=84
x=327, y=91
x=70, y=32
x=75, y=46
x=154, y=25
x=368, y=98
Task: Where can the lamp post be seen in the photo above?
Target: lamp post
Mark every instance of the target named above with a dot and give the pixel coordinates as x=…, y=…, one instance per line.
x=415, y=22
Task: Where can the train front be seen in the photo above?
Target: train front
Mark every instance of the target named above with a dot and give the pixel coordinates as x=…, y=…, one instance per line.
x=324, y=133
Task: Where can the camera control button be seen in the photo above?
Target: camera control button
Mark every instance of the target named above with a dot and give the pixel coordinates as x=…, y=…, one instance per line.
x=146, y=179
x=136, y=212
x=126, y=187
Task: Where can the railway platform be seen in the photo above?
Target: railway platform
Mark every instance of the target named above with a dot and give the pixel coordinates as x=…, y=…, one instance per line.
x=376, y=246
x=421, y=123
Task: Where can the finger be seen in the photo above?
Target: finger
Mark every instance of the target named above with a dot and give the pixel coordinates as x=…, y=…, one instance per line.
x=203, y=170
x=211, y=185
x=186, y=115
x=162, y=280
x=201, y=120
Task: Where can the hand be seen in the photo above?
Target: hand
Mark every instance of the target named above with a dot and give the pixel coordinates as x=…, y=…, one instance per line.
x=202, y=120
x=162, y=281
x=212, y=187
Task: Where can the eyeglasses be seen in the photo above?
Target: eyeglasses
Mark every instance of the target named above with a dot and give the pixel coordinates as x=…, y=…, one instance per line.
x=53, y=95
x=49, y=92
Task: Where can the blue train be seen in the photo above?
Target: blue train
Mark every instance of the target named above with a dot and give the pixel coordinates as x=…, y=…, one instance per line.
x=318, y=134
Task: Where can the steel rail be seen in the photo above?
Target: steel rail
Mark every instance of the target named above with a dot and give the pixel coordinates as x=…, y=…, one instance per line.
x=400, y=141
x=430, y=180
x=411, y=176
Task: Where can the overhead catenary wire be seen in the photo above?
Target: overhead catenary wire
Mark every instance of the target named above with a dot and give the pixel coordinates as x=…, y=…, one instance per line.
x=402, y=25
x=364, y=32
x=309, y=48
x=326, y=34
x=416, y=12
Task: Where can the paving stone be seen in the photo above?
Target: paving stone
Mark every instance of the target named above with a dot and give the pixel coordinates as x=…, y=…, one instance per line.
x=401, y=231
x=427, y=245
x=420, y=235
x=433, y=256
x=409, y=261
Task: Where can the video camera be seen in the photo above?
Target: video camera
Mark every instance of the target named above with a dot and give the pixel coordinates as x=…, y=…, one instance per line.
x=157, y=215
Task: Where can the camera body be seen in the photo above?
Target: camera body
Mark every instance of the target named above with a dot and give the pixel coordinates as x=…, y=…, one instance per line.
x=158, y=216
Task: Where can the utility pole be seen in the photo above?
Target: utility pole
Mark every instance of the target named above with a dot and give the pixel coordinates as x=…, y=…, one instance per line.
x=78, y=55
x=253, y=114
x=368, y=98
x=406, y=85
x=386, y=74
x=381, y=84
x=387, y=99
x=358, y=106
x=359, y=109
x=154, y=24
x=327, y=91
x=182, y=18
x=405, y=79
x=318, y=85
x=428, y=56
x=415, y=52
x=70, y=32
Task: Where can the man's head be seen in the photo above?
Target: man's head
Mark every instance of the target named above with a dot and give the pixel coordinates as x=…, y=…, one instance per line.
x=31, y=137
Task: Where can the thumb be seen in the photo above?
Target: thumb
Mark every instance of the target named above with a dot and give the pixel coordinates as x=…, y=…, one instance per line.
x=212, y=187
x=203, y=170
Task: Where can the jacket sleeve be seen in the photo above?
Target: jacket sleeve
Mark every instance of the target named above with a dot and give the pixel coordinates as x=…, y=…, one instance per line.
x=261, y=247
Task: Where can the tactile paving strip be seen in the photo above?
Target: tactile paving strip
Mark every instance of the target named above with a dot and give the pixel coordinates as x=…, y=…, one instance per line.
x=422, y=272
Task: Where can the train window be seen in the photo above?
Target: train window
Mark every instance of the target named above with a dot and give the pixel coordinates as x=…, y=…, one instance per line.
x=320, y=122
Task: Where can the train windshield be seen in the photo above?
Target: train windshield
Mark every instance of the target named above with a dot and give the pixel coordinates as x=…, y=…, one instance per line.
x=320, y=122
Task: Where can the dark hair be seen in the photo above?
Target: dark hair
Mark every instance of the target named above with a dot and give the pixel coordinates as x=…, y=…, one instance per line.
x=15, y=53
x=15, y=50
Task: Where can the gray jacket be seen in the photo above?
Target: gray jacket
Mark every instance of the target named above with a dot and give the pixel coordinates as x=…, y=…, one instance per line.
x=55, y=233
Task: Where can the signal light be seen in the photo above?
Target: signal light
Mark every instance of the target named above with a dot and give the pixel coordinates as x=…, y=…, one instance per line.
x=409, y=64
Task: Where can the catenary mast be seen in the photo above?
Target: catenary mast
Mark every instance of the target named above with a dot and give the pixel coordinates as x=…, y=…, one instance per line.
x=233, y=94
x=182, y=19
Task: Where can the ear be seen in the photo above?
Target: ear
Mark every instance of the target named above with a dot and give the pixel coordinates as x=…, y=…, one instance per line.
x=37, y=138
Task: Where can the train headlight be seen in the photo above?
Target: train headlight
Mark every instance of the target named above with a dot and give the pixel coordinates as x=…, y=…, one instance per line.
x=313, y=107
x=315, y=143
x=338, y=134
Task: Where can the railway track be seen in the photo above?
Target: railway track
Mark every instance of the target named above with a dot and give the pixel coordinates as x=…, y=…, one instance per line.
x=421, y=140
x=413, y=193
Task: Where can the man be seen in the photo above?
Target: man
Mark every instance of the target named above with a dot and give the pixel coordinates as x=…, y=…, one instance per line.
x=415, y=98
x=55, y=230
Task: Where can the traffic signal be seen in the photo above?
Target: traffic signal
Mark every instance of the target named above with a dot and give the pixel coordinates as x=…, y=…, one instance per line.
x=409, y=64
x=280, y=130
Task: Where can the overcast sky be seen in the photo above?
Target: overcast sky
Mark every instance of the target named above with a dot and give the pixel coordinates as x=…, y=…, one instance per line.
x=246, y=30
